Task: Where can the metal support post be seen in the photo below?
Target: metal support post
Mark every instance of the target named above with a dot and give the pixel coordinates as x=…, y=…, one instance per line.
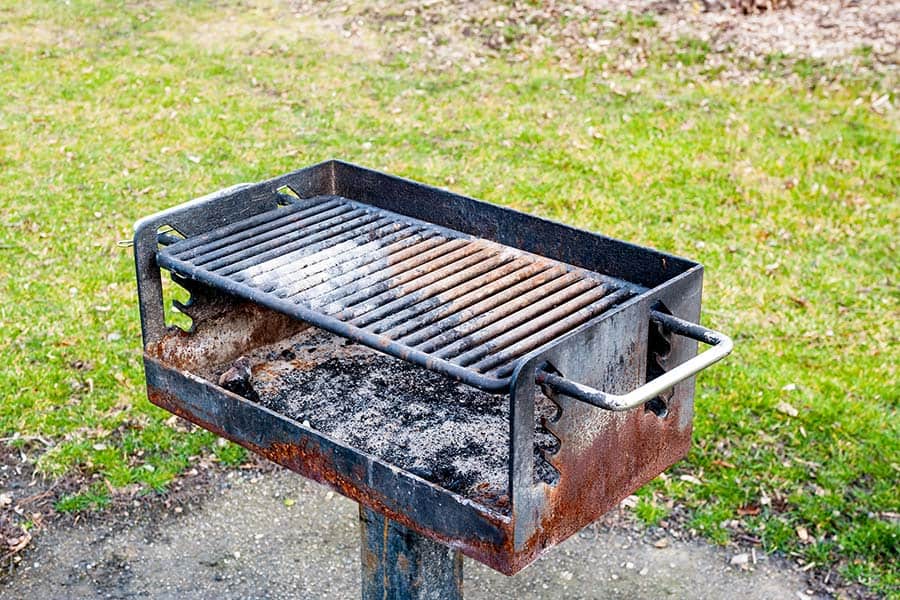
x=400, y=564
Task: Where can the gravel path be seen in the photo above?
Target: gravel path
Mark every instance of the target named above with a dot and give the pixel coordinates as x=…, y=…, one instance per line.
x=279, y=536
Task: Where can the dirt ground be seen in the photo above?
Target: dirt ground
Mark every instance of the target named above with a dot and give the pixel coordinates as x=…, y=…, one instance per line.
x=276, y=535
x=826, y=32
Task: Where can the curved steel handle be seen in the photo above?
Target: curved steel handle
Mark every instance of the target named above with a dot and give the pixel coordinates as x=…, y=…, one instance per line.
x=721, y=347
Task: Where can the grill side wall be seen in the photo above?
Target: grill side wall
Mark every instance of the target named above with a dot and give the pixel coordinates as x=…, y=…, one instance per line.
x=603, y=456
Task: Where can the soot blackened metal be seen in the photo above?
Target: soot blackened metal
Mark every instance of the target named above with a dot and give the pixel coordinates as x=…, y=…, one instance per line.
x=533, y=312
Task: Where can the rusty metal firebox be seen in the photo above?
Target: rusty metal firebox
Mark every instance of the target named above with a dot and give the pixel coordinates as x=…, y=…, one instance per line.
x=488, y=379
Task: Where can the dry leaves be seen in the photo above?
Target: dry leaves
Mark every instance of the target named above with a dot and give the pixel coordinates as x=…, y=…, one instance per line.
x=749, y=7
x=464, y=32
x=629, y=502
x=786, y=409
x=13, y=536
x=690, y=479
x=821, y=29
x=17, y=543
x=740, y=560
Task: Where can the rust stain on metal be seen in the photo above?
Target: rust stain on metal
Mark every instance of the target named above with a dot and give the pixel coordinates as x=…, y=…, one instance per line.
x=314, y=465
x=593, y=481
x=403, y=563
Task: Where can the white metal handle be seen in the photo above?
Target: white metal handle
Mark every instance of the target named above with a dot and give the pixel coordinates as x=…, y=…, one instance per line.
x=722, y=346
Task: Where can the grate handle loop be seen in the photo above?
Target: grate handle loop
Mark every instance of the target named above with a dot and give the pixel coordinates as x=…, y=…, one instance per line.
x=722, y=346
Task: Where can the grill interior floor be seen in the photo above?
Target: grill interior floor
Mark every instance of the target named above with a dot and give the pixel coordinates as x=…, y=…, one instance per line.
x=446, y=432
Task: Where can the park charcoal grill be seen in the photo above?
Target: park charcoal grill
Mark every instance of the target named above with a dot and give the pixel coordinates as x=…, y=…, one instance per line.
x=488, y=379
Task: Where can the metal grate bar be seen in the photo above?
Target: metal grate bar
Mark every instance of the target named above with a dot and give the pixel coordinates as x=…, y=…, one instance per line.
x=473, y=347
x=289, y=269
x=467, y=307
x=506, y=316
x=461, y=296
x=300, y=253
x=529, y=336
x=387, y=277
x=277, y=248
x=364, y=259
x=263, y=233
x=502, y=364
x=495, y=338
x=387, y=280
x=414, y=279
x=228, y=233
x=330, y=246
x=429, y=291
x=452, y=317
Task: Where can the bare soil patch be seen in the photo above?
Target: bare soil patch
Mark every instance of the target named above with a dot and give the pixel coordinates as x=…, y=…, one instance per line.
x=817, y=29
x=465, y=32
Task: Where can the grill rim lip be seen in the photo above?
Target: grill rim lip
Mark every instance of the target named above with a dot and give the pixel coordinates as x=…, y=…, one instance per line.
x=247, y=200
x=167, y=258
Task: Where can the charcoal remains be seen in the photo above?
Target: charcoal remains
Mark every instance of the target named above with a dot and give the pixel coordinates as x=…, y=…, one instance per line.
x=237, y=379
x=441, y=430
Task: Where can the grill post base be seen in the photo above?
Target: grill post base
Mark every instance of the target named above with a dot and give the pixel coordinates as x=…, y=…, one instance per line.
x=400, y=564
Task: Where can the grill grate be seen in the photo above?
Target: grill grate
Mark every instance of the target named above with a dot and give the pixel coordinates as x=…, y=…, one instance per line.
x=460, y=305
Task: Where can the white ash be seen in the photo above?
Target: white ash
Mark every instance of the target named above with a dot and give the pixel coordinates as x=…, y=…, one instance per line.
x=443, y=431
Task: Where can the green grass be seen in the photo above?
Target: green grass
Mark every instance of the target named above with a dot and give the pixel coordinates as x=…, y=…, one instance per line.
x=785, y=188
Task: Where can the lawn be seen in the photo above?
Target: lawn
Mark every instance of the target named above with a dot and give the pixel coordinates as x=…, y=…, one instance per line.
x=783, y=184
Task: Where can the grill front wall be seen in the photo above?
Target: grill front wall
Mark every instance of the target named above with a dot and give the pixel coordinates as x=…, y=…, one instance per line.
x=417, y=504
x=179, y=380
